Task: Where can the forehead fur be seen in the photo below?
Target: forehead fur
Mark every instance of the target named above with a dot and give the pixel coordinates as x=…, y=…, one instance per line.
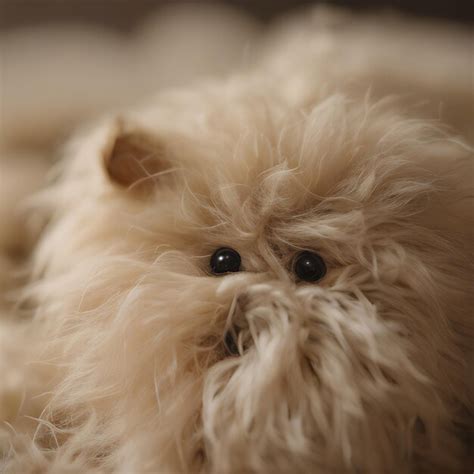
x=247, y=157
x=237, y=137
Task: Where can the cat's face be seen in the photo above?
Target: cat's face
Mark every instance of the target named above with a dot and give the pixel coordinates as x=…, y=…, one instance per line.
x=259, y=287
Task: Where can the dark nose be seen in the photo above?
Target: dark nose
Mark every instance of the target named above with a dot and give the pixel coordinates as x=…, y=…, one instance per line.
x=231, y=335
x=230, y=342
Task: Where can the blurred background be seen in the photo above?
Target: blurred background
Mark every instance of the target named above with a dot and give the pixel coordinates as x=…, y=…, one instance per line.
x=65, y=61
x=125, y=14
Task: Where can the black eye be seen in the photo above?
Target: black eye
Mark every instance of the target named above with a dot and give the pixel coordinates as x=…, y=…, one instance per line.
x=225, y=261
x=309, y=266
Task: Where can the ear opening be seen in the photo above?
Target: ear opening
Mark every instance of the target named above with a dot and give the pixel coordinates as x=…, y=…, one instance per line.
x=133, y=158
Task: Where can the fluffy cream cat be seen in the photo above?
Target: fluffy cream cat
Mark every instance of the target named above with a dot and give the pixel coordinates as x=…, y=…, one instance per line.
x=267, y=273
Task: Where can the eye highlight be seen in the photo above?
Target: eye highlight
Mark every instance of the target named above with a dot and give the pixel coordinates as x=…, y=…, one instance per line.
x=309, y=266
x=225, y=260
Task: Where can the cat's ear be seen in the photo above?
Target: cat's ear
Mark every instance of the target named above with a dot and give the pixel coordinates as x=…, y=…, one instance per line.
x=134, y=158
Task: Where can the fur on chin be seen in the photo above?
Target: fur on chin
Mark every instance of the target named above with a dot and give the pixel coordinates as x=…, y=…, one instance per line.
x=364, y=370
